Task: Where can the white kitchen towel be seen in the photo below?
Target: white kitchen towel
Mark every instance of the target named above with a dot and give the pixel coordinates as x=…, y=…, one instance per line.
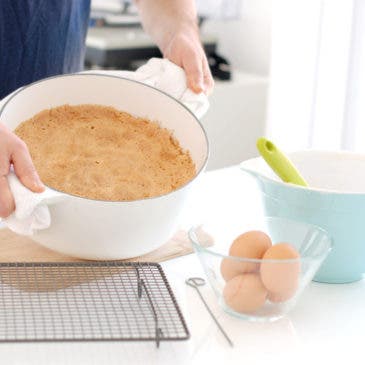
x=169, y=78
x=32, y=212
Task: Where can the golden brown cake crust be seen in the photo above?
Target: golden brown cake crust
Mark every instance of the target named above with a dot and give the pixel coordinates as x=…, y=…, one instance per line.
x=101, y=153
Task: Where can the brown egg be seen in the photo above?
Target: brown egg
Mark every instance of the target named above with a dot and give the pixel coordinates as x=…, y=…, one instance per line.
x=252, y=244
x=231, y=268
x=280, y=279
x=245, y=293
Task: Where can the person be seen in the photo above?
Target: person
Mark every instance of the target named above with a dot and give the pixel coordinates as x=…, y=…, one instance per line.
x=41, y=38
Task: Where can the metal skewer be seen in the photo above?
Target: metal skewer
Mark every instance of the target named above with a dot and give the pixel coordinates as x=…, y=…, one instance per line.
x=195, y=283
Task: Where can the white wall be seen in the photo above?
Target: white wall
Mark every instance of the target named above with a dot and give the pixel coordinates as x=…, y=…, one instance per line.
x=246, y=42
x=237, y=115
x=309, y=73
x=235, y=119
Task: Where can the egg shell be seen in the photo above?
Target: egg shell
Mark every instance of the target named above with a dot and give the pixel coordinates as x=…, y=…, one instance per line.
x=280, y=279
x=231, y=268
x=253, y=245
x=245, y=293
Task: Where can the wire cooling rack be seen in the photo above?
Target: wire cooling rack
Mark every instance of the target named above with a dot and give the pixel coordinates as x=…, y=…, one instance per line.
x=88, y=301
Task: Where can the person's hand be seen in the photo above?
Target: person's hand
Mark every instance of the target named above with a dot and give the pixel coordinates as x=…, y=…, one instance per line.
x=184, y=49
x=14, y=151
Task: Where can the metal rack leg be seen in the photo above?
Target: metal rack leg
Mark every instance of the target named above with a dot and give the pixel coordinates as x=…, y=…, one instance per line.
x=141, y=285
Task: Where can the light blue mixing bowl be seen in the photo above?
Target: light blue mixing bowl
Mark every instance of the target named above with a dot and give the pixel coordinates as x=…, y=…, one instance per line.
x=335, y=201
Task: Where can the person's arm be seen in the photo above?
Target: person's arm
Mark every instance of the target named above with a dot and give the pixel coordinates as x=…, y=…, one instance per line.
x=173, y=26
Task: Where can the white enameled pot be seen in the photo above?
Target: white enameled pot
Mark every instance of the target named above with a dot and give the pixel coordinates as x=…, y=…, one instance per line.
x=94, y=229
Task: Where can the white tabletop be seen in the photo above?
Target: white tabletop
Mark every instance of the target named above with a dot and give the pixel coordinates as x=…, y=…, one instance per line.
x=326, y=326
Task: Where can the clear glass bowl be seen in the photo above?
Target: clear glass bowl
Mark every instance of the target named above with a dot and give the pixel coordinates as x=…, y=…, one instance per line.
x=312, y=243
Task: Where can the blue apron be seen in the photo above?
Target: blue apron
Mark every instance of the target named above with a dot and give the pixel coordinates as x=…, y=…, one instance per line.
x=40, y=38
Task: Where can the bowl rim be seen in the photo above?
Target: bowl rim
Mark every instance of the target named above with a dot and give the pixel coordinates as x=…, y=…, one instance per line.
x=313, y=190
x=10, y=97
x=321, y=257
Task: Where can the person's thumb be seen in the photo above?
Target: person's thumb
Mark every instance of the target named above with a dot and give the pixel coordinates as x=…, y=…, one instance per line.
x=24, y=168
x=194, y=73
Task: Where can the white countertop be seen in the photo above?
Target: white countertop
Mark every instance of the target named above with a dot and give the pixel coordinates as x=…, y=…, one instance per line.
x=326, y=326
x=111, y=38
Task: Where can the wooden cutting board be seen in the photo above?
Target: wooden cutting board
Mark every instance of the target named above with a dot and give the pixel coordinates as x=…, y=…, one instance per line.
x=16, y=248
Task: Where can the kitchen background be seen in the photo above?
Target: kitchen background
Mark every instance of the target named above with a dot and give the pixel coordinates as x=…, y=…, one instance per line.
x=290, y=70
x=294, y=70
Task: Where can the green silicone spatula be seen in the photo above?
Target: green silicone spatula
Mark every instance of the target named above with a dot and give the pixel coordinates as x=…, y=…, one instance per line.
x=279, y=163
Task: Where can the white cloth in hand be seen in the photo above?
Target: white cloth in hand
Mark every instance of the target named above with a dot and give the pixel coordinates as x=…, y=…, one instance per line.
x=32, y=211
x=169, y=78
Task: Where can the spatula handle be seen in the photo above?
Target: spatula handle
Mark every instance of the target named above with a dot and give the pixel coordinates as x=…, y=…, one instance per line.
x=279, y=163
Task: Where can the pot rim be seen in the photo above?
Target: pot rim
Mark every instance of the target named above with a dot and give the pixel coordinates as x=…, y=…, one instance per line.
x=202, y=168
